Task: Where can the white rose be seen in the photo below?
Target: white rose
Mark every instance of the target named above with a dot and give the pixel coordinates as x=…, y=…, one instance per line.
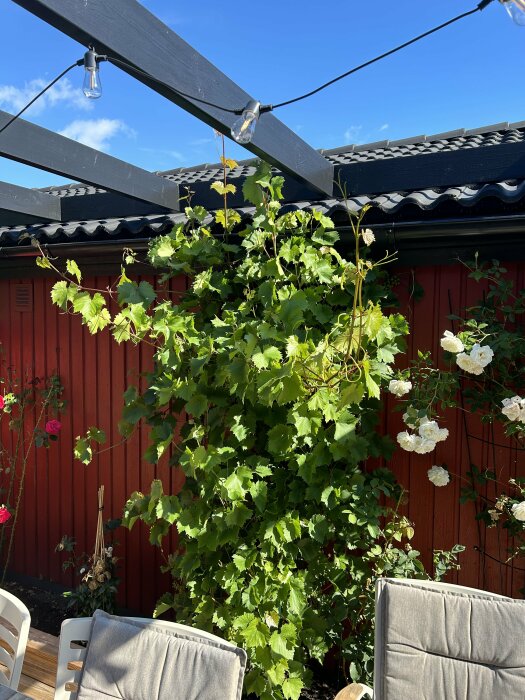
x=466, y=363
x=407, y=441
x=512, y=411
x=424, y=445
x=438, y=476
x=518, y=511
x=482, y=354
x=429, y=430
x=368, y=236
x=442, y=435
x=398, y=387
x=451, y=343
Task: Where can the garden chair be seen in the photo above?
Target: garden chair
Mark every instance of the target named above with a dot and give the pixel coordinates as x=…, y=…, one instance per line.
x=436, y=640
x=136, y=659
x=15, y=621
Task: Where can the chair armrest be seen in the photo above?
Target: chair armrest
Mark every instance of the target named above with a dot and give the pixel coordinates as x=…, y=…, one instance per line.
x=354, y=691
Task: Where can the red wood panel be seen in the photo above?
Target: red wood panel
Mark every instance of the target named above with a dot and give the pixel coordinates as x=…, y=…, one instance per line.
x=37, y=518
x=60, y=495
x=50, y=478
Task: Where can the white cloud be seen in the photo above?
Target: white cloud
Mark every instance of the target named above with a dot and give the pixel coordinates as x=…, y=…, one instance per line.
x=96, y=133
x=201, y=142
x=352, y=134
x=384, y=127
x=176, y=155
x=12, y=98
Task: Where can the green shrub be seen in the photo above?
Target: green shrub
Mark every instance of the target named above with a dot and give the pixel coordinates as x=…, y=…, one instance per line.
x=278, y=353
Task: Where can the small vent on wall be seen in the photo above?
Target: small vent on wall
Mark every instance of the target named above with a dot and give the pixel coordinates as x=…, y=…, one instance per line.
x=23, y=297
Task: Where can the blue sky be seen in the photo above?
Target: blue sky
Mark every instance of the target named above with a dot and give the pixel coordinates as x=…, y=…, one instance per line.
x=468, y=75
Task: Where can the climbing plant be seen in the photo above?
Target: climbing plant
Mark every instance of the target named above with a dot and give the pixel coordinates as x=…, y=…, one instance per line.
x=278, y=354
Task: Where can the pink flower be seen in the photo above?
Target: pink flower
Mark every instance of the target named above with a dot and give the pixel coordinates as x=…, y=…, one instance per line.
x=53, y=427
x=4, y=514
x=2, y=402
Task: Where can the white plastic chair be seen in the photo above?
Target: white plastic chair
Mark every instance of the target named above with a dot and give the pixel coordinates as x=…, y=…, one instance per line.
x=359, y=691
x=15, y=621
x=71, y=654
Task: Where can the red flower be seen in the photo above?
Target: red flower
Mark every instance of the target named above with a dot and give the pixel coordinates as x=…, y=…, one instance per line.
x=4, y=514
x=2, y=402
x=53, y=427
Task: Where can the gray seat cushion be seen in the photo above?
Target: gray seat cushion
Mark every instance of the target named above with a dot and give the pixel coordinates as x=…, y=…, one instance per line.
x=131, y=661
x=434, y=644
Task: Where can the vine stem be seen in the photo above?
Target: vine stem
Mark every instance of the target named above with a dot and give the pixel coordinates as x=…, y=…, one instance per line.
x=13, y=462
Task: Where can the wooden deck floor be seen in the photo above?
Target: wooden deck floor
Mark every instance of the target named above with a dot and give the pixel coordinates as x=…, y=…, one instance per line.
x=40, y=666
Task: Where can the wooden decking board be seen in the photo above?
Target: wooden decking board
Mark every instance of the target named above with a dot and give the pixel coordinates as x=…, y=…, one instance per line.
x=43, y=641
x=40, y=665
x=35, y=689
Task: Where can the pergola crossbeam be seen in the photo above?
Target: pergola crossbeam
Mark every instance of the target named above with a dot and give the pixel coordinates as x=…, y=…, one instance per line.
x=20, y=200
x=125, y=30
x=33, y=145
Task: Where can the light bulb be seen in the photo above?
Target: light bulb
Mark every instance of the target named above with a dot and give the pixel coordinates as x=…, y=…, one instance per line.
x=243, y=128
x=92, y=86
x=516, y=9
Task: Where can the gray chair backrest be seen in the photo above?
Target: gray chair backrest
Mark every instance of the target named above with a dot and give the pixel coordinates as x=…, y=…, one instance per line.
x=139, y=658
x=437, y=640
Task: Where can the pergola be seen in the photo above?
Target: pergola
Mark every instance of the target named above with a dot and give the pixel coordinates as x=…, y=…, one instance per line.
x=152, y=53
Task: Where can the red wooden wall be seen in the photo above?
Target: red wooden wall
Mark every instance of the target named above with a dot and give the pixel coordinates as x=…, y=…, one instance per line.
x=60, y=494
x=440, y=520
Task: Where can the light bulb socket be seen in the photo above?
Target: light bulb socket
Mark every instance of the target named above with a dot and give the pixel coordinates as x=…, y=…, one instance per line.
x=484, y=3
x=252, y=106
x=90, y=59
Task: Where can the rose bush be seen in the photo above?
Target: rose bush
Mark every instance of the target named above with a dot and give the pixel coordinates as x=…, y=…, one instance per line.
x=25, y=404
x=486, y=377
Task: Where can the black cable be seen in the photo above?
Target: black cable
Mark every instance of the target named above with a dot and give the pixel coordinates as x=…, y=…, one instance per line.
x=118, y=61
x=263, y=108
x=269, y=108
x=480, y=7
x=80, y=62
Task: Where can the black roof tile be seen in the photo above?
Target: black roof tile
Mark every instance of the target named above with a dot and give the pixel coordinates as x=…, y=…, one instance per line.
x=467, y=195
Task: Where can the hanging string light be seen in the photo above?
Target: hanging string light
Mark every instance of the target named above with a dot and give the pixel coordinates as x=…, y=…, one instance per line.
x=516, y=9
x=243, y=129
x=92, y=86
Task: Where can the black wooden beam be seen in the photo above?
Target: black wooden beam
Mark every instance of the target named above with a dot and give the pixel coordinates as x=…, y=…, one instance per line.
x=33, y=145
x=127, y=31
x=20, y=200
x=443, y=169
